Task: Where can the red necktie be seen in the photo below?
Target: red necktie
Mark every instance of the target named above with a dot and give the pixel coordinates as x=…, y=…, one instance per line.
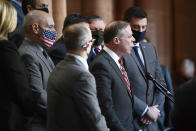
x=96, y=50
x=125, y=75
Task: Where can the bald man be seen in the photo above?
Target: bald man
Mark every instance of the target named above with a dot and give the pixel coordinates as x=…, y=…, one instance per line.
x=40, y=34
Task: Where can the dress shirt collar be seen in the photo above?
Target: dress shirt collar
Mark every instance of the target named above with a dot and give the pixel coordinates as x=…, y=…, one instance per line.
x=99, y=47
x=80, y=58
x=113, y=55
x=137, y=44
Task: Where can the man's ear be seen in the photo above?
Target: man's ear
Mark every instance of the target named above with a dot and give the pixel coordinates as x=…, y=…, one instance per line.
x=116, y=40
x=87, y=46
x=29, y=8
x=35, y=28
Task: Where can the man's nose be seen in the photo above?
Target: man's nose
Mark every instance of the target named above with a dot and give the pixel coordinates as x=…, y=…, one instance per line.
x=140, y=29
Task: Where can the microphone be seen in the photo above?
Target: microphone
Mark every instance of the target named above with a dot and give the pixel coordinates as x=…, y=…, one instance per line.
x=149, y=76
x=162, y=88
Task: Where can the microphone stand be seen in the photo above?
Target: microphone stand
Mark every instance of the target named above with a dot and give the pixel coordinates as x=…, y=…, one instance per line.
x=161, y=88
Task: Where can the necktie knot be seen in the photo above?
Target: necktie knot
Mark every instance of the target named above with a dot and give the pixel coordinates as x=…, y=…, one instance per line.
x=96, y=49
x=136, y=48
x=121, y=62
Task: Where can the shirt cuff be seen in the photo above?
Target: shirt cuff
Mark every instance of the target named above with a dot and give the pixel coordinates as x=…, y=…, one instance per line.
x=145, y=111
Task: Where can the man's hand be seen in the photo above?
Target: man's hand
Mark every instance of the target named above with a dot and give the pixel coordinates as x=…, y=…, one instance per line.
x=151, y=116
x=153, y=113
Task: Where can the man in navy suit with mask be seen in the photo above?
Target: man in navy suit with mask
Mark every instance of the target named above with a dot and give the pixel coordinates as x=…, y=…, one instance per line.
x=148, y=100
x=97, y=26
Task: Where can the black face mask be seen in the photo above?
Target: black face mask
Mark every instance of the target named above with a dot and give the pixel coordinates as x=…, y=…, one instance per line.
x=44, y=9
x=139, y=36
x=98, y=36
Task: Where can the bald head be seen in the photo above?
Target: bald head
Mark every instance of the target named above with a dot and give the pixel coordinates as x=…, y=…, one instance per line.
x=38, y=17
x=35, y=23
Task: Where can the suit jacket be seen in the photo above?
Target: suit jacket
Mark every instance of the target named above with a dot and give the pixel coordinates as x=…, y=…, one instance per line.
x=183, y=115
x=20, y=15
x=58, y=51
x=144, y=89
x=16, y=98
x=17, y=36
x=38, y=69
x=92, y=55
x=72, y=99
x=112, y=91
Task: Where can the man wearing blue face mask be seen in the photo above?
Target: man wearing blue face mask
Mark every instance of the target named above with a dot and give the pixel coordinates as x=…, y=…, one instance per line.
x=40, y=35
x=148, y=100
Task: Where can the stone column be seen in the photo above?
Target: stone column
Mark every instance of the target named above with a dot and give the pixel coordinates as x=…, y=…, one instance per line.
x=103, y=8
x=159, y=30
x=59, y=12
x=121, y=6
x=184, y=28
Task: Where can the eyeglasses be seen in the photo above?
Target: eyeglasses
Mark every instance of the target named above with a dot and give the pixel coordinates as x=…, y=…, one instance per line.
x=91, y=41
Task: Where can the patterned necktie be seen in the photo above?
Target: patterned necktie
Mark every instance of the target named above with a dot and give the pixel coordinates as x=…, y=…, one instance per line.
x=125, y=76
x=48, y=59
x=136, y=48
x=96, y=50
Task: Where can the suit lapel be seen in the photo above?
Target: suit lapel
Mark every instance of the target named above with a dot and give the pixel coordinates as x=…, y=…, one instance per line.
x=116, y=68
x=137, y=62
x=146, y=56
x=40, y=55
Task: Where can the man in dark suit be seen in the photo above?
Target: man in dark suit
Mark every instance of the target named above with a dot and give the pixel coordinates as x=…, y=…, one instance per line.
x=58, y=51
x=183, y=115
x=72, y=97
x=40, y=34
x=97, y=25
x=143, y=59
x=113, y=88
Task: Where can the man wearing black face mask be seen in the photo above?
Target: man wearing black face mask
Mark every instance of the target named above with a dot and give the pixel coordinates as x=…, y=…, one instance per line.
x=97, y=26
x=17, y=36
x=28, y=5
x=148, y=100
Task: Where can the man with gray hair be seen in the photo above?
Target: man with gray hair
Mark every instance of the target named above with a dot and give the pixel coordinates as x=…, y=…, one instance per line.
x=72, y=95
x=40, y=35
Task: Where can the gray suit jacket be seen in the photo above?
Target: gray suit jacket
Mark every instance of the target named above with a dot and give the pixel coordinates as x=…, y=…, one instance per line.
x=144, y=89
x=38, y=70
x=72, y=99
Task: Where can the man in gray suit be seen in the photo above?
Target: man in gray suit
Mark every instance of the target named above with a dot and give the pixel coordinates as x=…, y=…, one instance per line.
x=40, y=34
x=72, y=95
x=143, y=59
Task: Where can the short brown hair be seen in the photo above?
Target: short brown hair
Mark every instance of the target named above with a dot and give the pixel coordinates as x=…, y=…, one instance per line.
x=114, y=29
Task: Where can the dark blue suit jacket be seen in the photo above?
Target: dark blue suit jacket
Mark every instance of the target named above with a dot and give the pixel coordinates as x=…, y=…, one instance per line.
x=58, y=51
x=112, y=93
x=165, y=119
x=20, y=14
